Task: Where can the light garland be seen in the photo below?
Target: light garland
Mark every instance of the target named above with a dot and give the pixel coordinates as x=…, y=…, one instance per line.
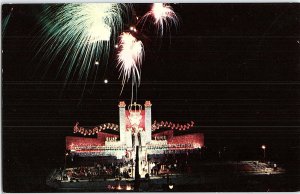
x=170, y=125
x=95, y=148
x=95, y=130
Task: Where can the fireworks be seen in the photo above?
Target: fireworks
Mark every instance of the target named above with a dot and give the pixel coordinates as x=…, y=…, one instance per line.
x=130, y=58
x=82, y=33
x=5, y=21
x=163, y=16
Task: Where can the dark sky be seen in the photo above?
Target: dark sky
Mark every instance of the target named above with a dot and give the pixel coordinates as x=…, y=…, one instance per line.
x=231, y=68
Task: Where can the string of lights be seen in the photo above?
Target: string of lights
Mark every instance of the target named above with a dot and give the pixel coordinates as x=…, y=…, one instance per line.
x=95, y=130
x=167, y=124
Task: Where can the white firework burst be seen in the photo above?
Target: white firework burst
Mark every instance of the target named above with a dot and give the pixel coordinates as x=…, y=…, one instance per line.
x=163, y=17
x=130, y=56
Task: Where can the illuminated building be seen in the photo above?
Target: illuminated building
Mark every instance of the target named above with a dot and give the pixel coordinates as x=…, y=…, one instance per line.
x=135, y=129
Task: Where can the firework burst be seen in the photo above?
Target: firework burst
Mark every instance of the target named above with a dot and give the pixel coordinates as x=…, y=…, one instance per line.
x=130, y=56
x=82, y=33
x=163, y=17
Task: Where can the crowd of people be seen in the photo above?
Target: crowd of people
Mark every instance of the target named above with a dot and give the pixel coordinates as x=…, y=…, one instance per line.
x=99, y=171
x=159, y=165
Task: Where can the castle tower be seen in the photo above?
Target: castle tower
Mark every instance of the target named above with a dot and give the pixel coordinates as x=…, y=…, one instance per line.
x=125, y=136
x=148, y=122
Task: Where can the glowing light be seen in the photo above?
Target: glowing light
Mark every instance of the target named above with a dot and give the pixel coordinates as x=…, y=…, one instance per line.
x=119, y=187
x=81, y=32
x=171, y=186
x=163, y=16
x=105, y=81
x=171, y=125
x=96, y=62
x=78, y=129
x=130, y=58
x=128, y=187
x=263, y=147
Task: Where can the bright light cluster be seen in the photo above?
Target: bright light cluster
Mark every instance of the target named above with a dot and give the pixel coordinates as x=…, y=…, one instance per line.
x=130, y=58
x=177, y=126
x=127, y=187
x=95, y=130
x=82, y=33
x=164, y=17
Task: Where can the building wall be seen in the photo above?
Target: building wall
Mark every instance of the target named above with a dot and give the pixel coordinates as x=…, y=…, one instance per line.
x=122, y=123
x=82, y=141
x=102, y=136
x=88, y=141
x=148, y=122
x=168, y=134
x=196, y=139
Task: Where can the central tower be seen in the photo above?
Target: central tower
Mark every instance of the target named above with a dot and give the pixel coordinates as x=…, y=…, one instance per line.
x=135, y=124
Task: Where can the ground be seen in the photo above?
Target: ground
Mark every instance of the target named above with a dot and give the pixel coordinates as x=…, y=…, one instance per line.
x=209, y=176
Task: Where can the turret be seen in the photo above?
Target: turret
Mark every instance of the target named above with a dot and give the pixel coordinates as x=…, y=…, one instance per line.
x=148, y=122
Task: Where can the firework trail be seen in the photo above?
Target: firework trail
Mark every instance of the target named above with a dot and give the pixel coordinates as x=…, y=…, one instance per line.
x=82, y=33
x=130, y=56
x=5, y=22
x=163, y=17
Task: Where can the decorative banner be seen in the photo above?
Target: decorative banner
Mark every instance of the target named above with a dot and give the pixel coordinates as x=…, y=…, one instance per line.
x=95, y=130
x=135, y=116
x=171, y=125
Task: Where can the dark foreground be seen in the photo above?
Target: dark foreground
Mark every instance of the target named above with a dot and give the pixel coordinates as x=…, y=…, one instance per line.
x=244, y=176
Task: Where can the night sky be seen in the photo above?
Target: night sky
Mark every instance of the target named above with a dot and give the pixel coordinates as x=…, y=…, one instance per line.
x=231, y=68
